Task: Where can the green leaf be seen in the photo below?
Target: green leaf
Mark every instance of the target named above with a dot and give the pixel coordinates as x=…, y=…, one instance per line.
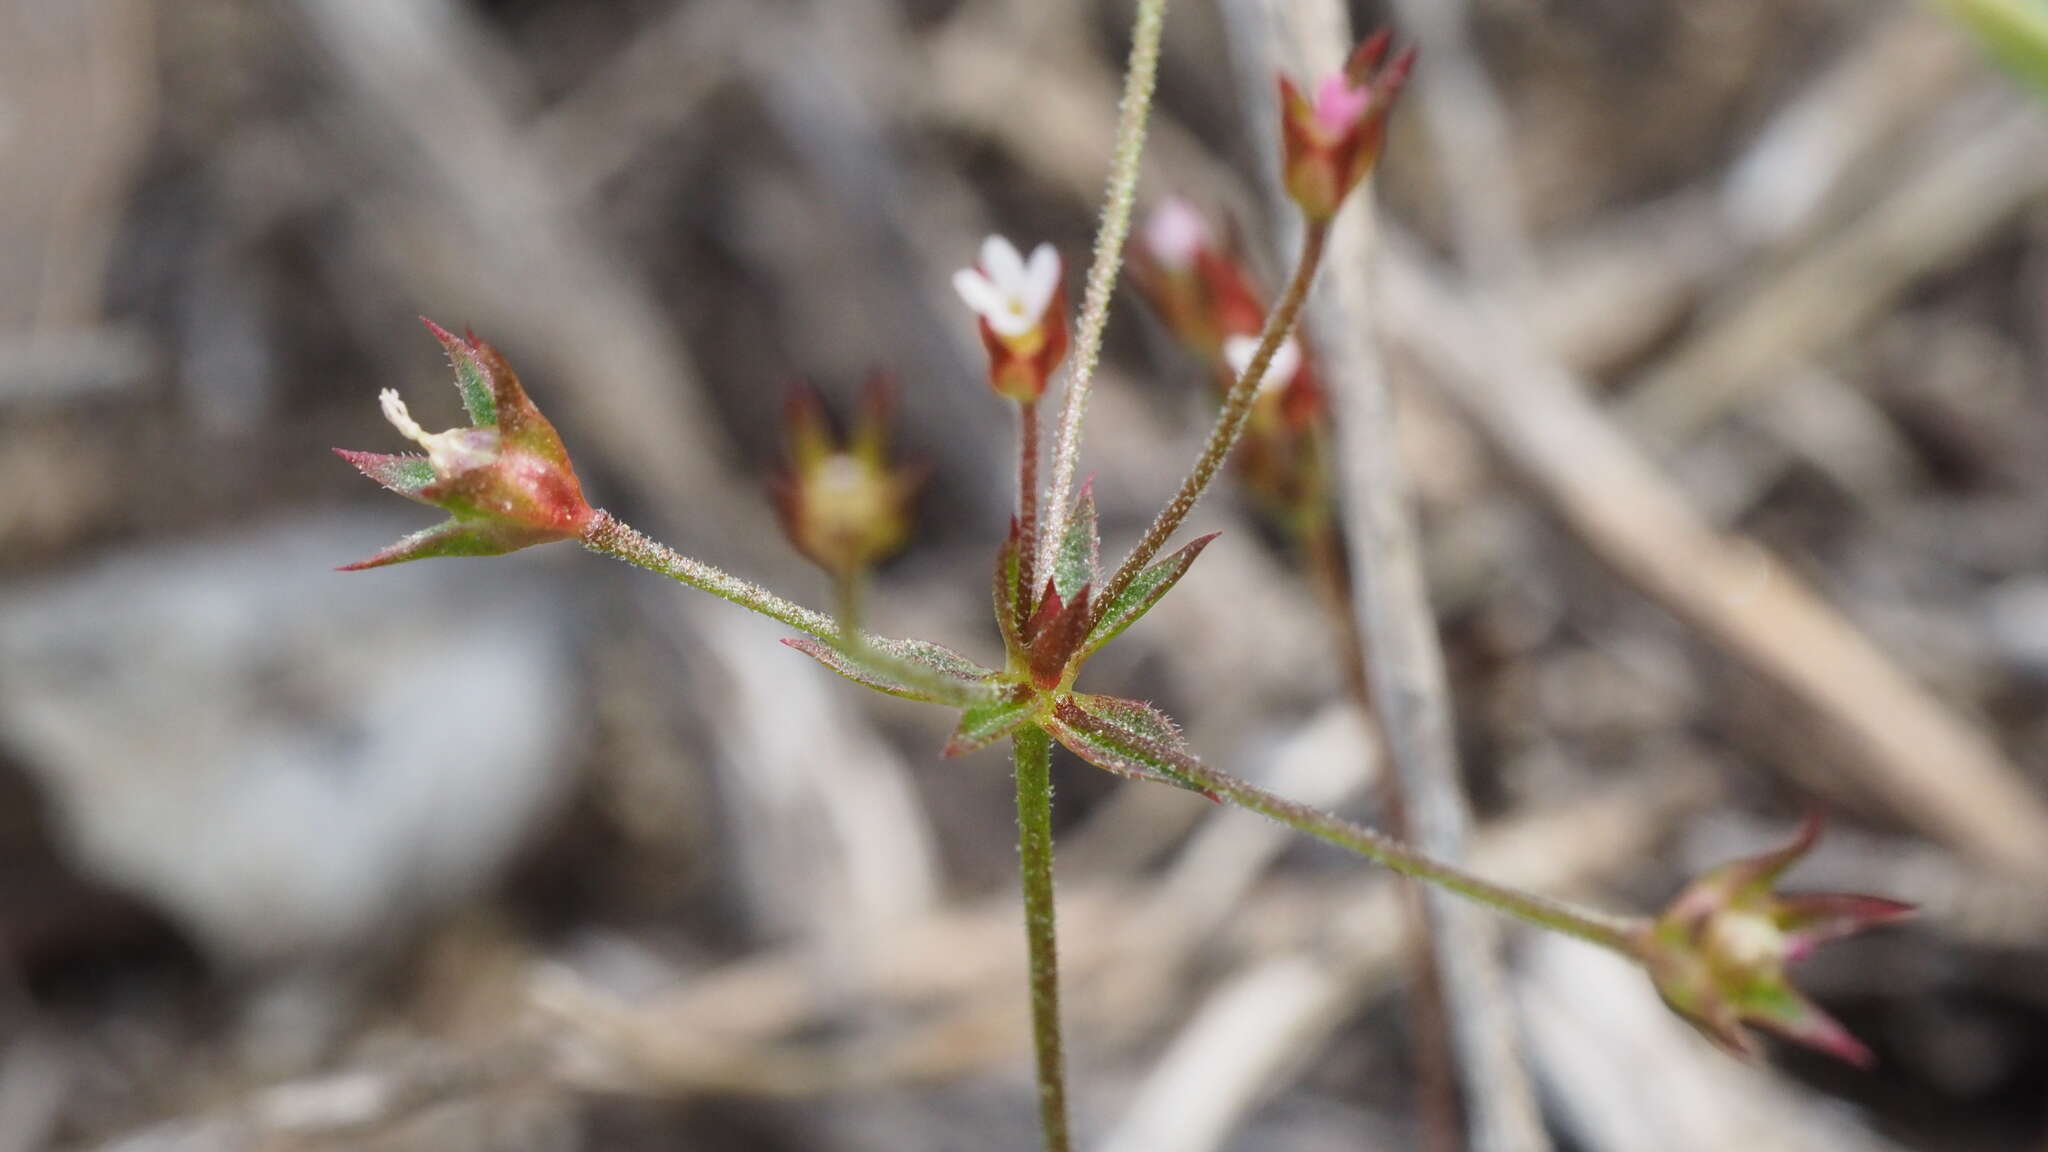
x=949, y=664
x=1008, y=592
x=2015, y=32
x=1142, y=594
x=985, y=723
x=1079, y=559
x=1126, y=737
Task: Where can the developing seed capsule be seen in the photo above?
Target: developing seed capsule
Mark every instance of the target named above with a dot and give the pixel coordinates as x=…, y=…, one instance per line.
x=1718, y=953
x=506, y=481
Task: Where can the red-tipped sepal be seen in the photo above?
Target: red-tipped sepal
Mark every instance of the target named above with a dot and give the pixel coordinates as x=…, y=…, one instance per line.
x=506, y=481
x=1718, y=953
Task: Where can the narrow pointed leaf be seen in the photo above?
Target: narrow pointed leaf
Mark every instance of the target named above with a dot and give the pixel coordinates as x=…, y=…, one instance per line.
x=1143, y=593
x=405, y=475
x=948, y=664
x=984, y=724
x=1113, y=747
x=1810, y=919
x=1008, y=596
x=472, y=378
x=1080, y=553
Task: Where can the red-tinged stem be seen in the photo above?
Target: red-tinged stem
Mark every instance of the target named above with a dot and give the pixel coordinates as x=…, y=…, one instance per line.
x=1032, y=752
x=1027, y=495
x=1230, y=423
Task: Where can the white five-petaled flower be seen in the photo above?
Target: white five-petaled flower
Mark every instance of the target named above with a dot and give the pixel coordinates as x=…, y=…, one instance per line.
x=1239, y=350
x=1006, y=290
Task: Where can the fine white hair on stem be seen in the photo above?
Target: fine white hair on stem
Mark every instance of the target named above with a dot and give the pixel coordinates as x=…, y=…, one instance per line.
x=1008, y=291
x=1140, y=76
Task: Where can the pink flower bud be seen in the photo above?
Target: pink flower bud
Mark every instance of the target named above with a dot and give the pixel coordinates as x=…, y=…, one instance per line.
x=1331, y=142
x=506, y=481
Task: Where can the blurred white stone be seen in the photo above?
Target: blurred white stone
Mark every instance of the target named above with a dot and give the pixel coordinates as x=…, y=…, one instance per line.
x=289, y=760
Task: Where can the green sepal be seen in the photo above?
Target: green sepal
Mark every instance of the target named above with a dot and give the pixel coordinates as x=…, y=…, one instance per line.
x=454, y=537
x=932, y=657
x=1078, y=562
x=1133, y=602
x=1126, y=737
x=472, y=375
x=987, y=722
x=406, y=475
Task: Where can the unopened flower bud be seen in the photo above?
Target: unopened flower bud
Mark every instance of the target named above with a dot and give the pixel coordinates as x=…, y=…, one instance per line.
x=1197, y=287
x=1330, y=143
x=506, y=481
x=1718, y=953
x=1021, y=311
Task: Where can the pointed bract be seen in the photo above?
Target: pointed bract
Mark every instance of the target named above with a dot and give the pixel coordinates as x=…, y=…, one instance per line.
x=1123, y=737
x=1079, y=558
x=1142, y=594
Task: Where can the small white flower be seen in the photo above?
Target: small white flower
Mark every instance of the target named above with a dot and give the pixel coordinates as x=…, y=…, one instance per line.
x=1239, y=350
x=1009, y=293
x=1175, y=234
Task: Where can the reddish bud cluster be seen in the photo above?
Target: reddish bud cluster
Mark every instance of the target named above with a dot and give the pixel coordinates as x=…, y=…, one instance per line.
x=1204, y=294
x=1719, y=951
x=846, y=507
x=506, y=481
x=1331, y=142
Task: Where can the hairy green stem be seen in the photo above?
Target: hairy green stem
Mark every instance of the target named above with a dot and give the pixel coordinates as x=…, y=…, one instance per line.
x=1140, y=75
x=1230, y=422
x=613, y=537
x=610, y=536
x=1609, y=931
x=1032, y=752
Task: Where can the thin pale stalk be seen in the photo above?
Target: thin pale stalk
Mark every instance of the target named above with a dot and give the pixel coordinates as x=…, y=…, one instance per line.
x=1032, y=751
x=1230, y=422
x=1027, y=495
x=1140, y=75
x=610, y=536
x=1596, y=927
